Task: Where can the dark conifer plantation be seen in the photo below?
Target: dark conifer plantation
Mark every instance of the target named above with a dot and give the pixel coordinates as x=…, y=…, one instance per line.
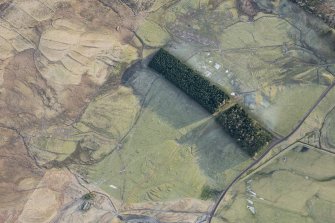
x=247, y=132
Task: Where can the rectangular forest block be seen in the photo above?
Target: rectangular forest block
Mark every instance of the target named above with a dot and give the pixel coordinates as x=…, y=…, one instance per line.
x=248, y=133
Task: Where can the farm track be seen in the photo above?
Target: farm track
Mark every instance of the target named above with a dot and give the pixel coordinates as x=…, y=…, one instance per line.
x=270, y=147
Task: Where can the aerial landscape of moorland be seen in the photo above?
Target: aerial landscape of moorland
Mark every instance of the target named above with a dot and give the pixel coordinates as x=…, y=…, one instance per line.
x=167, y=111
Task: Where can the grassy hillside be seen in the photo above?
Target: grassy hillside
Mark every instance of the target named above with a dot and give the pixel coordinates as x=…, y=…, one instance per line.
x=247, y=132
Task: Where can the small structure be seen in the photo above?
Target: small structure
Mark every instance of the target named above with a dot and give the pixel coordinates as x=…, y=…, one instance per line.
x=85, y=206
x=250, y=202
x=252, y=209
x=112, y=186
x=253, y=194
x=208, y=73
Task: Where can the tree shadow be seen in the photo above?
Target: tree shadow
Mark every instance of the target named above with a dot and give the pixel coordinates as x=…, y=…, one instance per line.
x=215, y=150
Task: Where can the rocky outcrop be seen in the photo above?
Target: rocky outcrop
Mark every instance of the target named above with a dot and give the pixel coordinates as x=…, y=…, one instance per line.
x=248, y=8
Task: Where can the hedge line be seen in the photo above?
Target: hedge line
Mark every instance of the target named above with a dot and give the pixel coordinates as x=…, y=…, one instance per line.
x=235, y=121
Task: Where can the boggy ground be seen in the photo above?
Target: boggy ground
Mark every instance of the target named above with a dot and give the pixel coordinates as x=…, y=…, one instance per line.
x=55, y=55
x=68, y=126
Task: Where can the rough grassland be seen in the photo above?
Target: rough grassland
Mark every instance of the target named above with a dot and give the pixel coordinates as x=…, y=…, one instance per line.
x=235, y=121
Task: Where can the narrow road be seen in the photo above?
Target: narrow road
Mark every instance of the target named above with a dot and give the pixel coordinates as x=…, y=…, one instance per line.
x=270, y=147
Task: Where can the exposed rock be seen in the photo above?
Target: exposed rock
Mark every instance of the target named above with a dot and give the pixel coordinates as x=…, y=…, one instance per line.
x=248, y=7
x=324, y=9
